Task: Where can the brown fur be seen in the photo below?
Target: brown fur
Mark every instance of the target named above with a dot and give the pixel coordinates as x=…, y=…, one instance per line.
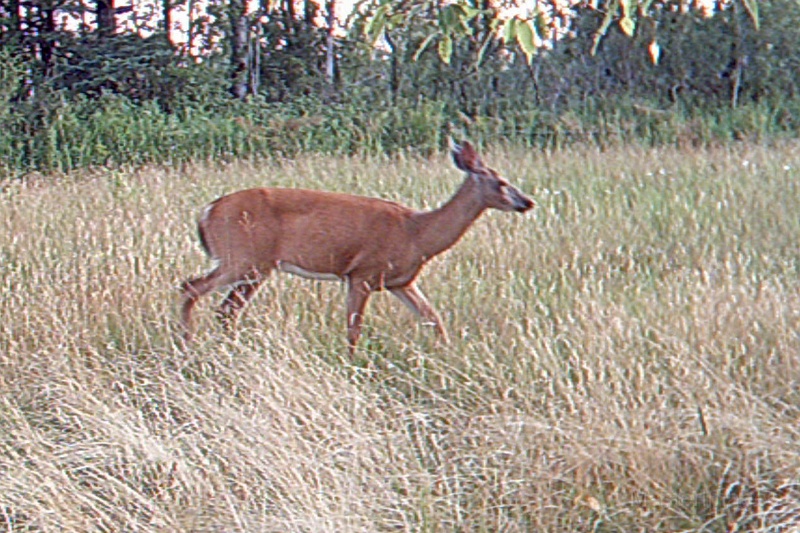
x=371, y=244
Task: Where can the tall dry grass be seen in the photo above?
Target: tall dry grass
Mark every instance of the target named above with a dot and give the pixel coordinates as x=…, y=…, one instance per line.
x=624, y=358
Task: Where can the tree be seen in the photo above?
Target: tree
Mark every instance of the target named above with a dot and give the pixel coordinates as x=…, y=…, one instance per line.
x=239, y=42
x=330, y=52
x=529, y=30
x=106, y=19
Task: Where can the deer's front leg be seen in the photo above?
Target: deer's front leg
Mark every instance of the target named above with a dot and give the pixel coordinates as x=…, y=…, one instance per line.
x=357, y=295
x=416, y=301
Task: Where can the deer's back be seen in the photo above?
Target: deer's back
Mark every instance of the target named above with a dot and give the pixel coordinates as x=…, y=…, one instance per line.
x=315, y=230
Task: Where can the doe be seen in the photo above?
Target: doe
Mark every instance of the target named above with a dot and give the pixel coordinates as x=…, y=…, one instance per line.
x=369, y=243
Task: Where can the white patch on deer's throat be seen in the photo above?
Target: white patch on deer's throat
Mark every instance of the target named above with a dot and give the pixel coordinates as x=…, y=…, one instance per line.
x=290, y=268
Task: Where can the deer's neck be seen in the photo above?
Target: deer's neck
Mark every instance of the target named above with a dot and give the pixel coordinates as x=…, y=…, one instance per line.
x=438, y=230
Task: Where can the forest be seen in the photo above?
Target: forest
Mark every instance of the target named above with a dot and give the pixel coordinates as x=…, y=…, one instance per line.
x=104, y=82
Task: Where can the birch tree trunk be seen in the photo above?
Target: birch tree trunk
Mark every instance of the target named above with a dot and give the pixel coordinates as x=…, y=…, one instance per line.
x=330, y=51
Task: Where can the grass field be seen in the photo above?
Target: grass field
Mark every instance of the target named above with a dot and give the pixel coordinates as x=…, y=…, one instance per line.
x=625, y=357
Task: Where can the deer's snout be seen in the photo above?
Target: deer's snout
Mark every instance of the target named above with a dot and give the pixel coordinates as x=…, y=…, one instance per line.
x=519, y=202
x=527, y=204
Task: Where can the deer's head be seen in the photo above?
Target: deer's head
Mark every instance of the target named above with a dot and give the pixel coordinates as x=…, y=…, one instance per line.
x=496, y=191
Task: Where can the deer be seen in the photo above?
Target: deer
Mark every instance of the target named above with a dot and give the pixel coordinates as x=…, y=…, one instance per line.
x=370, y=244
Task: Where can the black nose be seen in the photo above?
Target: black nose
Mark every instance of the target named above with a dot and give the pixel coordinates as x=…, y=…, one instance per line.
x=526, y=205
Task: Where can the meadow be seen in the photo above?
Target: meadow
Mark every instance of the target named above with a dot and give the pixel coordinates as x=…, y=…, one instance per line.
x=625, y=357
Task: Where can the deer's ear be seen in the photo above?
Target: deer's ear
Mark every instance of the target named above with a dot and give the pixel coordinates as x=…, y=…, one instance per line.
x=465, y=157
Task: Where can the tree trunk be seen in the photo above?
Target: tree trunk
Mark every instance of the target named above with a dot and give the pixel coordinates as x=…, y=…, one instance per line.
x=255, y=48
x=289, y=13
x=47, y=14
x=239, y=48
x=330, y=52
x=308, y=13
x=394, y=68
x=106, y=22
x=192, y=31
x=167, y=10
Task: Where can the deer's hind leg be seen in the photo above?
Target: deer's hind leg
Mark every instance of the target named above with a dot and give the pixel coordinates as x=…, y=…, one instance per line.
x=237, y=298
x=192, y=290
x=196, y=288
x=358, y=293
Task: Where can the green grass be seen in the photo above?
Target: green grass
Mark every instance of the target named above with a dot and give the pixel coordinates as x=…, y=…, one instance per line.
x=623, y=358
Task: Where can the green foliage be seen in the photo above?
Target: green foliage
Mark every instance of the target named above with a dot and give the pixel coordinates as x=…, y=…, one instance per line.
x=114, y=131
x=453, y=20
x=122, y=99
x=11, y=76
x=525, y=38
x=628, y=14
x=123, y=64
